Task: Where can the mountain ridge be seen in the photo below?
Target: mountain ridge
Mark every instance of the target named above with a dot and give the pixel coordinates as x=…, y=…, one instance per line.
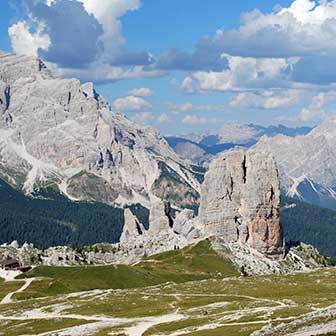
x=201, y=148
x=62, y=132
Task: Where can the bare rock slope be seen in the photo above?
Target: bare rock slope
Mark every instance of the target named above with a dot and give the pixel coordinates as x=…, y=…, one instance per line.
x=62, y=132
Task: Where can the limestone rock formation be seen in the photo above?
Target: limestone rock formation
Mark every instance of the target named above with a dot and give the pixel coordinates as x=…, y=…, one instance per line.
x=132, y=227
x=240, y=200
x=186, y=224
x=63, y=132
x=160, y=219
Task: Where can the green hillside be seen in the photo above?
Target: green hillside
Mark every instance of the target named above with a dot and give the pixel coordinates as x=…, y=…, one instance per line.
x=192, y=263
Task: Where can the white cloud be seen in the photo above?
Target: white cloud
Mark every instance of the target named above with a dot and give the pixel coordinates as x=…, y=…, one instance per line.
x=163, y=118
x=267, y=99
x=25, y=42
x=141, y=92
x=316, y=111
x=305, y=27
x=192, y=119
x=108, y=13
x=131, y=104
x=287, y=48
x=187, y=107
x=142, y=118
x=82, y=38
x=243, y=73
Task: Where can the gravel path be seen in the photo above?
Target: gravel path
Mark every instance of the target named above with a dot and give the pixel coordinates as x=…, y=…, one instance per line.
x=8, y=298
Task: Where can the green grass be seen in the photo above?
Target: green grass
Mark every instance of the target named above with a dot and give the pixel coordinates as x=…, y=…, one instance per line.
x=9, y=287
x=33, y=327
x=200, y=259
x=190, y=264
x=61, y=280
x=212, y=307
x=215, y=302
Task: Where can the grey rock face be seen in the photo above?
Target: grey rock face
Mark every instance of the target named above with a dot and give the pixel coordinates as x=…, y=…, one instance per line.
x=62, y=131
x=181, y=222
x=240, y=200
x=160, y=219
x=186, y=224
x=132, y=227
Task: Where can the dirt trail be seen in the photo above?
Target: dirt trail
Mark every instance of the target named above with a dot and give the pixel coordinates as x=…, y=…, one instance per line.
x=8, y=298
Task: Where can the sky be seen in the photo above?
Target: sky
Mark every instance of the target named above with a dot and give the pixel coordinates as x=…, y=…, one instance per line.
x=188, y=66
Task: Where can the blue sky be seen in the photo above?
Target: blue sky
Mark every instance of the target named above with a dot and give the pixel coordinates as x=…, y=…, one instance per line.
x=186, y=65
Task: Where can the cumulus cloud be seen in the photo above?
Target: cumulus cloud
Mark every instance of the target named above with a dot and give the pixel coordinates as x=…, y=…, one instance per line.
x=108, y=13
x=82, y=37
x=305, y=27
x=289, y=47
x=68, y=25
x=316, y=111
x=148, y=117
x=192, y=120
x=187, y=107
x=142, y=118
x=141, y=92
x=26, y=42
x=131, y=104
x=163, y=118
x=242, y=73
x=266, y=99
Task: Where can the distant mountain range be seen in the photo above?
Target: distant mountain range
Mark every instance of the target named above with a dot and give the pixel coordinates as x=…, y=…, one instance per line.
x=305, y=156
x=307, y=163
x=201, y=148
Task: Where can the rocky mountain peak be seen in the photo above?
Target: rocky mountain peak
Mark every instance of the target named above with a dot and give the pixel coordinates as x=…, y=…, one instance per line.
x=62, y=132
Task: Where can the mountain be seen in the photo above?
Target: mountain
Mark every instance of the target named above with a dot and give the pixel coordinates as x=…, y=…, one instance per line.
x=62, y=133
x=189, y=150
x=307, y=164
x=201, y=148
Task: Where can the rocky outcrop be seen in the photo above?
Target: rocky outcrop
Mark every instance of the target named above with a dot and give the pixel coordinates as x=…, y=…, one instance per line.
x=240, y=200
x=160, y=218
x=62, y=132
x=186, y=224
x=252, y=262
x=132, y=227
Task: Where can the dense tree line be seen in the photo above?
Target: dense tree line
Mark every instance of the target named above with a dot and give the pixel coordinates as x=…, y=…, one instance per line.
x=50, y=219
x=310, y=224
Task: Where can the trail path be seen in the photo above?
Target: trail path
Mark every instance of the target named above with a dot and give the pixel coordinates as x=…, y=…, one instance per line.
x=8, y=298
x=137, y=326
